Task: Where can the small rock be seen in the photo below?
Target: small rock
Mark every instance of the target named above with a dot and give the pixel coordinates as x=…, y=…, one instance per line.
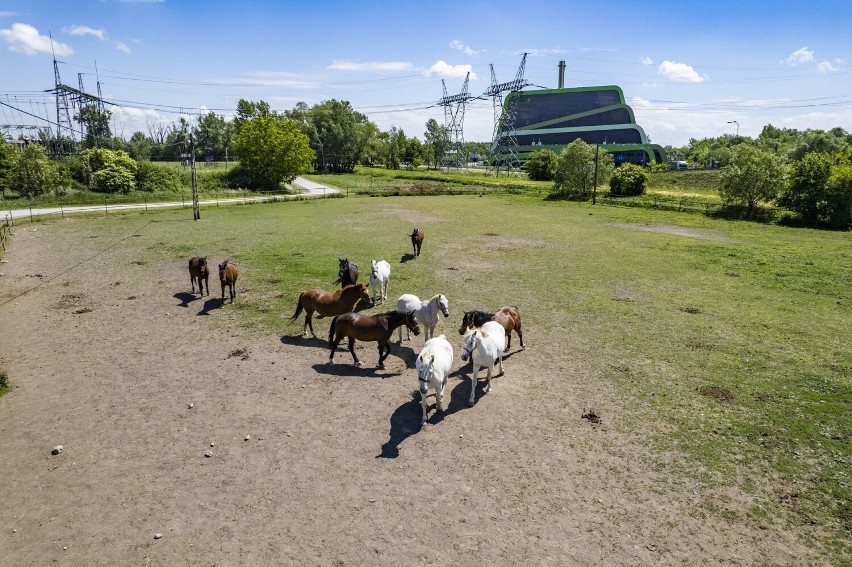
x=158, y=536
x=212, y=444
x=461, y=436
x=64, y=548
x=191, y=406
x=56, y=450
x=248, y=437
x=208, y=453
x=14, y=531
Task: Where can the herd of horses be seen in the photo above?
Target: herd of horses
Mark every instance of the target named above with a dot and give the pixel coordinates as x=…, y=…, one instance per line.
x=486, y=336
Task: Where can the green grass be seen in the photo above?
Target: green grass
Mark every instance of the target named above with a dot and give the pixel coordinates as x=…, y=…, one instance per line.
x=5, y=387
x=730, y=339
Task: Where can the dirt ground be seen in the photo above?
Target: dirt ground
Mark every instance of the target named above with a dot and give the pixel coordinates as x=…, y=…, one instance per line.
x=312, y=464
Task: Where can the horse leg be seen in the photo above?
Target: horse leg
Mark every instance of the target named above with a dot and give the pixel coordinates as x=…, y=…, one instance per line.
x=520, y=335
x=439, y=395
x=192, y=282
x=424, y=406
x=384, y=352
x=232, y=288
x=309, y=322
x=508, y=340
x=333, y=346
x=473, y=384
x=500, y=363
x=352, y=350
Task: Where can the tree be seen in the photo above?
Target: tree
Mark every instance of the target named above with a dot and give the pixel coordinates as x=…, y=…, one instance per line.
x=575, y=170
x=839, y=197
x=139, y=146
x=752, y=176
x=96, y=125
x=7, y=160
x=32, y=172
x=806, y=192
x=628, y=179
x=273, y=150
x=437, y=137
x=211, y=135
x=541, y=165
x=108, y=171
x=412, y=155
x=340, y=135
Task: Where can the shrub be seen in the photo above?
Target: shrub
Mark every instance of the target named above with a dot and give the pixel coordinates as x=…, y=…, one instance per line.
x=113, y=178
x=32, y=173
x=628, y=179
x=806, y=192
x=752, y=176
x=119, y=171
x=541, y=165
x=838, y=197
x=151, y=177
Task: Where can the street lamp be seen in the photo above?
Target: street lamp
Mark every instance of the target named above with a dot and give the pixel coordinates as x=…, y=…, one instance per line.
x=738, y=126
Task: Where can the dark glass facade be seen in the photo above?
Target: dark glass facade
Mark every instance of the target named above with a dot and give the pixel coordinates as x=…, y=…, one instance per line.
x=552, y=119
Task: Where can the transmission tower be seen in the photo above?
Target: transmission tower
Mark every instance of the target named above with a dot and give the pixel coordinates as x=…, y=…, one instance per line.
x=454, y=106
x=504, y=143
x=63, y=102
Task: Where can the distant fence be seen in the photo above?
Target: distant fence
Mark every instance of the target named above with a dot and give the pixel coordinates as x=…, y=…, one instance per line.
x=5, y=230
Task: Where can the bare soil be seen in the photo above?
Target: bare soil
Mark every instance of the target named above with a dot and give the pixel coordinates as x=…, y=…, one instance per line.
x=313, y=463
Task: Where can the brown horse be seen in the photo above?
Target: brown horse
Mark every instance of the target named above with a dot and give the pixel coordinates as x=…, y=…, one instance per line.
x=328, y=303
x=228, y=274
x=348, y=273
x=369, y=328
x=198, y=270
x=508, y=317
x=417, y=241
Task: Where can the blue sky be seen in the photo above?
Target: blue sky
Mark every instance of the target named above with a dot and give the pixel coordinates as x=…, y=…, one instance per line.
x=688, y=69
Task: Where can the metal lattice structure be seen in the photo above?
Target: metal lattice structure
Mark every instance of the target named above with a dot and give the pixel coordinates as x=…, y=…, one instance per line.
x=454, y=106
x=504, y=142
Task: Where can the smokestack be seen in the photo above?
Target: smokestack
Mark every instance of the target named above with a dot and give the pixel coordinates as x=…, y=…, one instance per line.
x=562, y=74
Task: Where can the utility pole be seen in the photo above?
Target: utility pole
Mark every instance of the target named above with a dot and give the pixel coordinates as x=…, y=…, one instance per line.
x=196, y=210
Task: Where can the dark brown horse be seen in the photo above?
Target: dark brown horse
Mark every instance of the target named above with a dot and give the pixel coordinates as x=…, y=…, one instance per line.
x=508, y=317
x=369, y=328
x=348, y=273
x=198, y=270
x=228, y=274
x=417, y=241
x=328, y=303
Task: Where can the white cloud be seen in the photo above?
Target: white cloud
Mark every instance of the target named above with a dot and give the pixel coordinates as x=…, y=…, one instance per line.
x=679, y=72
x=121, y=46
x=828, y=67
x=533, y=52
x=8, y=14
x=24, y=38
x=85, y=30
x=800, y=56
x=273, y=79
x=444, y=69
x=463, y=47
x=375, y=66
x=647, y=61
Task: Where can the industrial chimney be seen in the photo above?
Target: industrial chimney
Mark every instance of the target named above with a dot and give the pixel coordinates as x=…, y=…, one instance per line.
x=562, y=74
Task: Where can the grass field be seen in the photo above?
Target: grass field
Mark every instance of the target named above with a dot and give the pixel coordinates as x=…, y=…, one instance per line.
x=730, y=338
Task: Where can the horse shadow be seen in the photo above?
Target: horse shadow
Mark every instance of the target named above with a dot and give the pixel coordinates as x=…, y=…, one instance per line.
x=404, y=422
x=210, y=304
x=347, y=369
x=301, y=340
x=407, y=258
x=185, y=298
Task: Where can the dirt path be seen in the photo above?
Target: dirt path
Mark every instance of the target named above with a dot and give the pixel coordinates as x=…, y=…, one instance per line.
x=312, y=464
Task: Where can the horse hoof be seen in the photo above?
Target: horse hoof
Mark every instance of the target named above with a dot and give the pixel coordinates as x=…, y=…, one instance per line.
x=470, y=403
x=358, y=363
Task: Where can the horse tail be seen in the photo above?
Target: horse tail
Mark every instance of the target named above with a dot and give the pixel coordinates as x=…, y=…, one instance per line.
x=298, y=309
x=331, y=329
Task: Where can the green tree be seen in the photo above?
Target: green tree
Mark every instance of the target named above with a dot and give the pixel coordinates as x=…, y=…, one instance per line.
x=575, y=170
x=95, y=123
x=752, y=176
x=805, y=193
x=32, y=172
x=8, y=153
x=628, y=179
x=107, y=171
x=437, y=138
x=541, y=165
x=412, y=155
x=273, y=149
x=340, y=135
x=211, y=135
x=139, y=147
x=838, y=197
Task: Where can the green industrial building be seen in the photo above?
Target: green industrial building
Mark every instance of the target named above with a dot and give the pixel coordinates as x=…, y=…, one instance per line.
x=553, y=118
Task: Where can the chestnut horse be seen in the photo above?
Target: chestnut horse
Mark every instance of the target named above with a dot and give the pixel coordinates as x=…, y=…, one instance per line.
x=228, y=274
x=348, y=273
x=417, y=241
x=328, y=303
x=198, y=270
x=369, y=328
x=508, y=317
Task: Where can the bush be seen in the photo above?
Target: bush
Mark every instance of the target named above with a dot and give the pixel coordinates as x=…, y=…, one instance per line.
x=151, y=177
x=541, y=165
x=628, y=179
x=113, y=178
x=838, y=197
x=119, y=168
x=32, y=173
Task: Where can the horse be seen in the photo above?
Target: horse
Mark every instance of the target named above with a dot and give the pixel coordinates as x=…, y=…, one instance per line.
x=426, y=312
x=485, y=347
x=328, y=303
x=348, y=273
x=417, y=241
x=380, y=272
x=228, y=274
x=433, y=369
x=198, y=270
x=508, y=317
x=377, y=328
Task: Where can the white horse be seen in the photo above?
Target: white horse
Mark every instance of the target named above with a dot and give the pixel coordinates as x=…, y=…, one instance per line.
x=379, y=276
x=425, y=312
x=433, y=369
x=485, y=346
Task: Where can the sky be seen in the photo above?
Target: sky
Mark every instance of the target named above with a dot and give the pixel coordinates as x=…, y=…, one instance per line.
x=688, y=69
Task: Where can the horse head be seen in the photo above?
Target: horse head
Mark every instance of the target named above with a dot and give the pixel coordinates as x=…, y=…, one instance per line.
x=467, y=322
x=444, y=305
x=469, y=344
x=365, y=292
x=223, y=265
x=411, y=323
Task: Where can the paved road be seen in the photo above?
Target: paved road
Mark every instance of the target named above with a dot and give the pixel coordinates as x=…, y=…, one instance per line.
x=309, y=187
